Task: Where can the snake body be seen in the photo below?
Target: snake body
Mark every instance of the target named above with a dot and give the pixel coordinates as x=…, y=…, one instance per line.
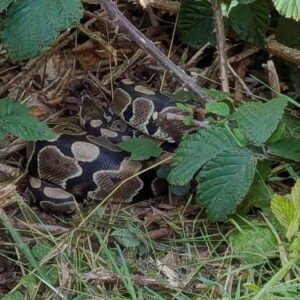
x=89, y=164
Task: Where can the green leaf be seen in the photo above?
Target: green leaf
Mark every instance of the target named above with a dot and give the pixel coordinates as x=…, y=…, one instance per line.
x=30, y=27
x=295, y=196
x=284, y=211
x=196, y=23
x=254, y=244
x=260, y=193
x=141, y=148
x=15, y=295
x=294, y=249
x=128, y=237
x=285, y=35
x=52, y=273
x=292, y=126
x=225, y=181
x=16, y=119
x=288, y=8
x=288, y=148
x=30, y=282
x=217, y=95
x=185, y=107
x=251, y=21
x=218, y=108
x=258, y=120
x=40, y=250
x=4, y=4
x=197, y=149
x=278, y=134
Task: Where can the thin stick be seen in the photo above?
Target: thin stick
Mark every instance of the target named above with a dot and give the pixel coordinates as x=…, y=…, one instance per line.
x=221, y=46
x=149, y=47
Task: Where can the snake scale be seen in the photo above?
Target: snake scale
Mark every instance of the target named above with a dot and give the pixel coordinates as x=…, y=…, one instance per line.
x=89, y=164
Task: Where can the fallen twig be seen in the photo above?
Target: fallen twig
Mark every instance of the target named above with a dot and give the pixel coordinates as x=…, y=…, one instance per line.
x=149, y=47
x=221, y=45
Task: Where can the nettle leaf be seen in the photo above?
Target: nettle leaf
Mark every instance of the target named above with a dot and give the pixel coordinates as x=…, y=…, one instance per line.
x=288, y=148
x=196, y=22
x=251, y=21
x=15, y=118
x=141, y=148
x=30, y=27
x=254, y=244
x=4, y=4
x=196, y=150
x=288, y=8
x=258, y=121
x=224, y=181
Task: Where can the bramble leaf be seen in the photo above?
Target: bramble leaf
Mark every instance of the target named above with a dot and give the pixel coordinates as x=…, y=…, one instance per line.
x=254, y=244
x=287, y=210
x=288, y=8
x=196, y=150
x=288, y=148
x=30, y=26
x=15, y=118
x=224, y=181
x=4, y=4
x=218, y=108
x=258, y=120
x=140, y=148
x=196, y=22
x=251, y=21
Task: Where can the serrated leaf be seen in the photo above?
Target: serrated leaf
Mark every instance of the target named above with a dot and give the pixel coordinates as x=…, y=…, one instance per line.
x=292, y=126
x=295, y=196
x=224, y=181
x=40, y=250
x=288, y=148
x=30, y=282
x=140, y=148
x=217, y=95
x=254, y=244
x=258, y=120
x=15, y=295
x=197, y=149
x=196, y=22
x=128, y=237
x=294, y=248
x=251, y=21
x=284, y=211
x=260, y=193
x=16, y=119
x=4, y=4
x=218, y=108
x=288, y=8
x=285, y=35
x=278, y=134
x=51, y=272
x=30, y=27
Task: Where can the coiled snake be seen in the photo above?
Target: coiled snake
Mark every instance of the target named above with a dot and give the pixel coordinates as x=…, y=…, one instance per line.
x=89, y=164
